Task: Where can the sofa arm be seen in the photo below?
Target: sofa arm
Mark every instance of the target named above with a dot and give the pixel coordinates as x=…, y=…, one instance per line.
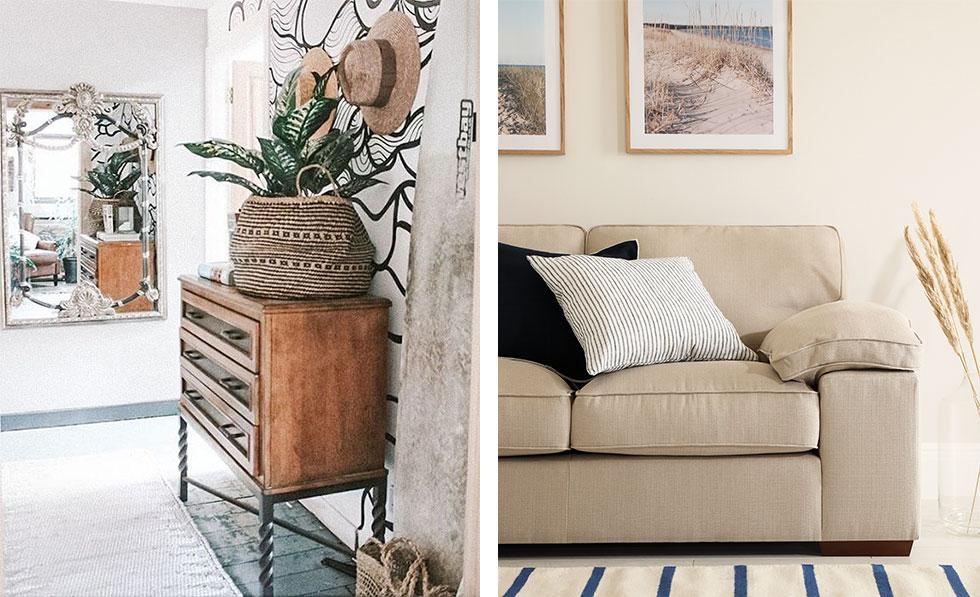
x=47, y=245
x=844, y=335
x=869, y=456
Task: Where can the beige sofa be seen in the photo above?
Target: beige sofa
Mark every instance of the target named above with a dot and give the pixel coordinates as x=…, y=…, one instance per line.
x=712, y=451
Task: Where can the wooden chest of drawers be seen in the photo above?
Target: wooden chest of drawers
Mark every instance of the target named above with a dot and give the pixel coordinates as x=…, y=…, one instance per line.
x=290, y=393
x=116, y=267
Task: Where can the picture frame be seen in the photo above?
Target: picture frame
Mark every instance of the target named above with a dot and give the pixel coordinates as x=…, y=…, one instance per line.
x=731, y=90
x=528, y=123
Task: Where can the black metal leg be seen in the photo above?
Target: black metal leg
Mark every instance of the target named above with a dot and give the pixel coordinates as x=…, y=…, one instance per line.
x=378, y=510
x=182, y=456
x=265, y=544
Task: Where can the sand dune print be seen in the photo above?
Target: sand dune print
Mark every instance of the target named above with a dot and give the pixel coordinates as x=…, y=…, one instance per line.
x=521, y=99
x=708, y=79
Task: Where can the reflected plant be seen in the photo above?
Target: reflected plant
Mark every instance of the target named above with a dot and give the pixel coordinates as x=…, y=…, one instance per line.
x=115, y=178
x=113, y=182
x=16, y=259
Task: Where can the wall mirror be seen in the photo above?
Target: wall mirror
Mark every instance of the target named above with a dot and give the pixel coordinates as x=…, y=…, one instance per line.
x=81, y=206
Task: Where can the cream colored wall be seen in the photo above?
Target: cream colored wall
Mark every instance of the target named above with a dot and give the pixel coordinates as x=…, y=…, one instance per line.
x=887, y=112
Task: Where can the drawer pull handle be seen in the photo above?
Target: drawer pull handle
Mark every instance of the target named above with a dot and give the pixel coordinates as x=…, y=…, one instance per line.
x=233, y=334
x=227, y=428
x=194, y=314
x=232, y=384
x=193, y=394
x=193, y=355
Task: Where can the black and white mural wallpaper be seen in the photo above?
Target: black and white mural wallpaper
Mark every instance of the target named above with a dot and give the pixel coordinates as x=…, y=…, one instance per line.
x=300, y=25
x=241, y=10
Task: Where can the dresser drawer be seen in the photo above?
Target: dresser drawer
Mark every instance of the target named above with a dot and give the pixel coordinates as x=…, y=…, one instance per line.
x=236, y=386
x=235, y=436
x=233, y=334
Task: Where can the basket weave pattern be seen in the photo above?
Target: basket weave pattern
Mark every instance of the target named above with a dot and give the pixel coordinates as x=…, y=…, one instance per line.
x=394, y=569
x=301, y=247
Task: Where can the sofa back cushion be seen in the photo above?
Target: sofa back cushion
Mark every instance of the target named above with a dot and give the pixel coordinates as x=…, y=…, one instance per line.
x=555, y=239
x=757, y=275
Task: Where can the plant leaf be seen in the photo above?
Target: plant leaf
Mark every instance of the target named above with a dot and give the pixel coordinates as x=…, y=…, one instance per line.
x=233, y=179
x=225, y=150
x=315, y=149
x=320, y=87
x=282, y=164
x=358, y=184
x=297, y=126
x=117, y=161
x=286, y=100
x=128, y=182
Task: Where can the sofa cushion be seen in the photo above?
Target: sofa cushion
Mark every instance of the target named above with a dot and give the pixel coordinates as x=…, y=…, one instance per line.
x=41, y=257
x=533, y=409
x=757, y=275
x=30, y=240
x=629, y=313
x=530, y=323
x=842, y=335
x=560, y=238
x=696, y=408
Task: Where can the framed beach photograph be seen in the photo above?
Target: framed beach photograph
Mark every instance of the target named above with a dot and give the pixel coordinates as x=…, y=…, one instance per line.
x=530, y=77
x=709, y=76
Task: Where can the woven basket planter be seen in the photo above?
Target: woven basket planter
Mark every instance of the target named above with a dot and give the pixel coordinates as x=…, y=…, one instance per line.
x=301, y=247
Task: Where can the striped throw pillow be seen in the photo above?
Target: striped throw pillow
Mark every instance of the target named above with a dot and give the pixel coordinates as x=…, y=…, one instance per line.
x=632, y=313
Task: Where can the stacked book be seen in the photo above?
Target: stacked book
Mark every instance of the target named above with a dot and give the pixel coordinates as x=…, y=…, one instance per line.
x=117, y=236
x=218, y=271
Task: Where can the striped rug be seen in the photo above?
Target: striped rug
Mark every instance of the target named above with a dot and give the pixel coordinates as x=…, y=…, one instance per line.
x=807, y=580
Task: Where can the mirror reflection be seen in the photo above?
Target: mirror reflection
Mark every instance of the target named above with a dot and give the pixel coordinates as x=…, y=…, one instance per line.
x=80, y=206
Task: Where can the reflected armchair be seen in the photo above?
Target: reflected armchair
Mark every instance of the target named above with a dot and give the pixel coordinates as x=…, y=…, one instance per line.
x=42, y=253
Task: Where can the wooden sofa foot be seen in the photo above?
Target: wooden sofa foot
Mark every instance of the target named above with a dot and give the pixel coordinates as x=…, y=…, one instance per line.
x=866, y=548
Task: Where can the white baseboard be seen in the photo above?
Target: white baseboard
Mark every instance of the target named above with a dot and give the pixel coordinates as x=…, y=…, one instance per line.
x=335, y=513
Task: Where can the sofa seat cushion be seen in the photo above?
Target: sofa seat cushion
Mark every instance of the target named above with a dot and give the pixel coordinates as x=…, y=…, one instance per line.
x=41, y=257
x=695, y=409
x=534, y=409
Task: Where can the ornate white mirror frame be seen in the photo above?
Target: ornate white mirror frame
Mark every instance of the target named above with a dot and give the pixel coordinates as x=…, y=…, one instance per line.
x=86, y=107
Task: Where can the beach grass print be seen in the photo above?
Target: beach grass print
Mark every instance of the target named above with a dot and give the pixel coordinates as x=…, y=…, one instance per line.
x=707, y=67
x=521, y=73
x=521, y=99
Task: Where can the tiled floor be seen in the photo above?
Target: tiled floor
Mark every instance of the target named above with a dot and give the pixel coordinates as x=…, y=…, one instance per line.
x=934, y=546
x=231, y=531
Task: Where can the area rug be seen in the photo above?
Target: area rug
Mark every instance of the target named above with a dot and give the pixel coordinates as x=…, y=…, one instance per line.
x=807, y=580
x=107, y=526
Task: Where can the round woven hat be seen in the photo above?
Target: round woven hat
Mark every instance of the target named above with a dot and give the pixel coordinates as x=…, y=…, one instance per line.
x=380, y=73
x=316, y=61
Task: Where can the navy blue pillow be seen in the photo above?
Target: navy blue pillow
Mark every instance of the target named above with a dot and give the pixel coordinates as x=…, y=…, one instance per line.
x=530, y=322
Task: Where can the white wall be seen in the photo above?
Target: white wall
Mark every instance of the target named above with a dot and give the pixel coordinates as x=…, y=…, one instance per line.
x=247, y=41
x=885, y=102
x=128, y=48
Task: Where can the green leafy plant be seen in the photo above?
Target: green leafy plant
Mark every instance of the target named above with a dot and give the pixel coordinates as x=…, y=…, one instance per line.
x=114, y=179
x=16, y=258
x=292, y=153
x=65, y=245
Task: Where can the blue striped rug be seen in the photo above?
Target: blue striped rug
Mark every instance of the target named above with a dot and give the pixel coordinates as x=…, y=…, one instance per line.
x=806, y=580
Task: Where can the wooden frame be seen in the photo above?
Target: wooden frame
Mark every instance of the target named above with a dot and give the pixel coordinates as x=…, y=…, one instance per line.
x=787, y=150
x=560, y=150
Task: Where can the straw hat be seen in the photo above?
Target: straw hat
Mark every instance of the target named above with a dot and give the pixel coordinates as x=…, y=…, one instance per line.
x=316, y=61
x=380, y=73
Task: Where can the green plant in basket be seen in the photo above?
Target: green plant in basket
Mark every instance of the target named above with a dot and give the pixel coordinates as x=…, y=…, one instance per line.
x=298, y=235
x=293, y=162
